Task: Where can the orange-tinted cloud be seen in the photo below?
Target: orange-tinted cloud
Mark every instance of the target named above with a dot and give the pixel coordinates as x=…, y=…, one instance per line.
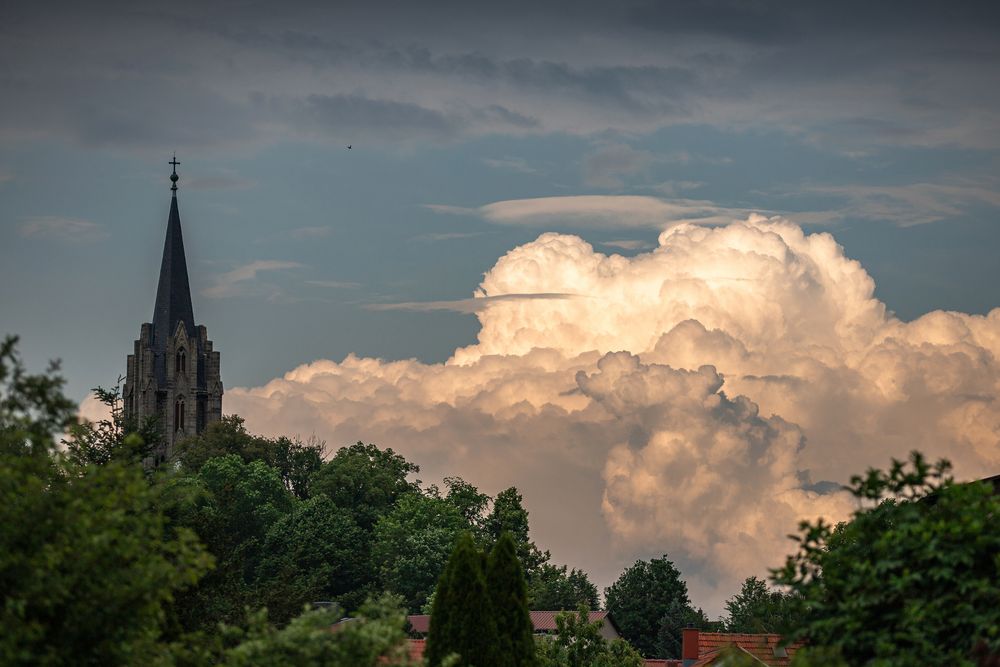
x=687, y=405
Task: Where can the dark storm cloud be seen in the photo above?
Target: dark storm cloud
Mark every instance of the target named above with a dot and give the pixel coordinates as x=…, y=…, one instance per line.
x=847, y=75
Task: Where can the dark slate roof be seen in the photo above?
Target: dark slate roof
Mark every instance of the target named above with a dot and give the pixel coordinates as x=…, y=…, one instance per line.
x=173, y=294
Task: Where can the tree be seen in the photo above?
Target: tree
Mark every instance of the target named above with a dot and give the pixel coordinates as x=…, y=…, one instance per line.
x=579, y=643
x=756, y=608
x=32, y=407
x=910, y=579
x=113, y=439
x=412, y=544
x=508, y=514
x=462, y=620
x=678, y=615
x=88, y=562
x=552, y=588
x=294, y=460
x=508, y=595
x=467, y=499
x=310, y=555
x=647, y=600
x=367, y=480
x=312, y=639
x=231, y=505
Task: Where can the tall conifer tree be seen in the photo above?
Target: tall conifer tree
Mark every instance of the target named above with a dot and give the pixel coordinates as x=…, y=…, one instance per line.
x=508, y=594
x=462, y=618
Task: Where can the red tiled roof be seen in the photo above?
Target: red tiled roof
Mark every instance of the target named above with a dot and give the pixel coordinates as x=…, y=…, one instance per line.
x=760, y=646
x=658, y=662
x=417, y=649
x=421, y=623
x=543, y=621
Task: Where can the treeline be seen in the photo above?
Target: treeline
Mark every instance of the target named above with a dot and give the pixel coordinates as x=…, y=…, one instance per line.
x=214, y=558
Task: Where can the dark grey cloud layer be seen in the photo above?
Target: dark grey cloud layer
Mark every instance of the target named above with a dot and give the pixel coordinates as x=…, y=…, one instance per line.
x=848, y=74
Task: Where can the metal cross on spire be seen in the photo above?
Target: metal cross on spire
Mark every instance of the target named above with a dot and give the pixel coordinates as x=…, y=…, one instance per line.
x=174, y=177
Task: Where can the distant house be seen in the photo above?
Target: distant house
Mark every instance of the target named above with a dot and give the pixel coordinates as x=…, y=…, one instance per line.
x=544, y=623
x=700, y=649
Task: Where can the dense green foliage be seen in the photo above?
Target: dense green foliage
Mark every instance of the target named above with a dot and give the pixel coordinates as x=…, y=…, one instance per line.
x=367, y=480
x=508, y=595
x=310, y=554
x=757, y=608
x=911, y=579
x=650, y=604
x=552, y=588
x=175, y=566
x=462, y=618
x=112, y=439
x=412, y=544
x=295, y=462
x=88, y=563
x=372, y=638
x=579, y=643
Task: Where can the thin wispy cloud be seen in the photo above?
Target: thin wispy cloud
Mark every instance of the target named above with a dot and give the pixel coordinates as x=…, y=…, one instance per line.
x=473, y=305
x=603, y=211
x=447, y=236
x=333, y=284
x=68, y=230
x=243, y=280
x=911, y=204
x=510, y=164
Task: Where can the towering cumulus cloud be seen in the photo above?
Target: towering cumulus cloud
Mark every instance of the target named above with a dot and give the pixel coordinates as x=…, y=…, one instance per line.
x=690, y=400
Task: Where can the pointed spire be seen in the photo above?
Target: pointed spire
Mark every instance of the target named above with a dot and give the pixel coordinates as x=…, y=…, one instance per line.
x=173, y=294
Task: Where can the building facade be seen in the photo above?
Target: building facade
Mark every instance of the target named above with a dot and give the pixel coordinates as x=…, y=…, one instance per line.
x=173, y=374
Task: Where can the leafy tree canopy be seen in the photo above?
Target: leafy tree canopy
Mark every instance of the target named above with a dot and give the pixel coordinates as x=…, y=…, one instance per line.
x=650, y=604
x=367, y=480
x=508, y=595
x=579, y=643
x=294, y=460
x=374, y=637
x=412, y=544
x=88, y=563
x=757, y=608
x=462, y=620
x=552, y=588
x=113, y=439
x=310, y=555
x=911, y=579
x=508, y=514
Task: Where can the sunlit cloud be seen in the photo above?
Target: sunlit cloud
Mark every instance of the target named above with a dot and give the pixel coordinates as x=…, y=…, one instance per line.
x=473, y=305
x=604, y=211
x=699, y=399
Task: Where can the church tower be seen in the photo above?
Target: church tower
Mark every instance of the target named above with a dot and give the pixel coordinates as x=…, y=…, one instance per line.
x=173, y=373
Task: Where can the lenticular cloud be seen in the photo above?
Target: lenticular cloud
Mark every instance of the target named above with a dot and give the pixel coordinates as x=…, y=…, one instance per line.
x=688, y=400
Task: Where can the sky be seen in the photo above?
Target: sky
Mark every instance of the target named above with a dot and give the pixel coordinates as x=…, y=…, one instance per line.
x=674, y=269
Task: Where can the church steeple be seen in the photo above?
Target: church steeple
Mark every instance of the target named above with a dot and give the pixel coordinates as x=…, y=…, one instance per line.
x=173, y=294
x=173, y=374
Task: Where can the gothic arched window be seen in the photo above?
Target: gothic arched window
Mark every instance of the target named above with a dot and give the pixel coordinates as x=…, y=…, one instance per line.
x=179, y=414
x=180, y=364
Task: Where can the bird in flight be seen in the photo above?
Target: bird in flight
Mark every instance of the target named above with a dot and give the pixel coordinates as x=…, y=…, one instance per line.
x=349, y=147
